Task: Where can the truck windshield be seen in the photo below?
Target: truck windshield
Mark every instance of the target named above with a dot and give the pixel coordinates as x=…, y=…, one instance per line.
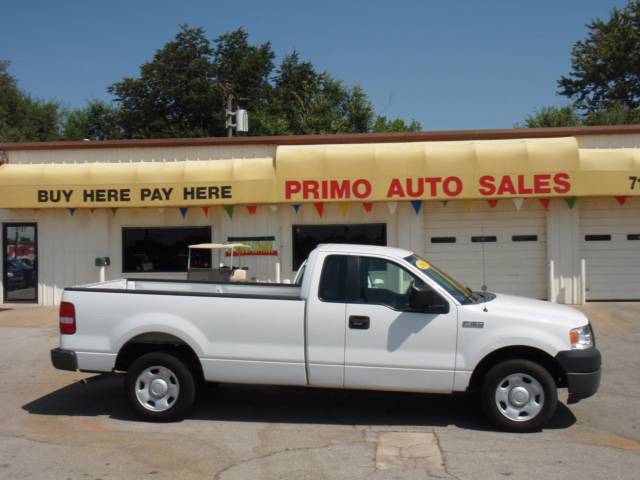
x=463, y=295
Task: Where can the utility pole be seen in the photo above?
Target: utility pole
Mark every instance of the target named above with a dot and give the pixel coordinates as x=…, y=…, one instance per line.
x=237, y=119
x=229, y=113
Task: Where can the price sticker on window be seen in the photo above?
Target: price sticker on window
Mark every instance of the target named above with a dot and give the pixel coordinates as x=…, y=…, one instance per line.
x=422, y=265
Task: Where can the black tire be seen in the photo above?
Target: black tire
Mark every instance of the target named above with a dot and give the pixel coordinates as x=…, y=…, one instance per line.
x=179, y=374
x=529, y=372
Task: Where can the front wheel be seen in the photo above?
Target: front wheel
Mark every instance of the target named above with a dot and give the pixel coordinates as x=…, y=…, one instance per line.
x=519, y=396
x=159, y=386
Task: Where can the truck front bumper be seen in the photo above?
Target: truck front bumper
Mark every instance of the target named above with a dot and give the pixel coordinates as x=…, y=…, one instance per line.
x=64, y=359
x=583, y=371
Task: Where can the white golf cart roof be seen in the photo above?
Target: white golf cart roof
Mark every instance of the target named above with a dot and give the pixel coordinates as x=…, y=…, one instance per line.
x=217, y=246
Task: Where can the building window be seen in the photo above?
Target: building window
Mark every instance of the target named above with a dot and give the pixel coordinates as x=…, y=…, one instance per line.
x=307, y=237
x=484, y=239
x=597, y=238
x=524, y=238
x=443, y=239
x=633, y=236
x=162, y=249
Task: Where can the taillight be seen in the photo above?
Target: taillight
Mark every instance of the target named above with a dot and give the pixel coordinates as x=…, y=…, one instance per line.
x=67, y=318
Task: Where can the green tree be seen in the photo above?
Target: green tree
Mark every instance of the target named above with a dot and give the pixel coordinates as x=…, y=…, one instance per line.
x=553, y=117
x=97, y=121
x=176, y=94
x=23, y=118
x=605, y=71
x=383, y=124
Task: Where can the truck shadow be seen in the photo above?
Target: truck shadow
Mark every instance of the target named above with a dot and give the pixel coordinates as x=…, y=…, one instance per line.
x=272, y=404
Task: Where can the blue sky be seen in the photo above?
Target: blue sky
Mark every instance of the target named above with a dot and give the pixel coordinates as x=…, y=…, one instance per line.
x=450, y=65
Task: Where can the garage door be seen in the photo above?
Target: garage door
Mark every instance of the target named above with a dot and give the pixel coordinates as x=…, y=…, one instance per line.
x=610, y=245
x=512, y=242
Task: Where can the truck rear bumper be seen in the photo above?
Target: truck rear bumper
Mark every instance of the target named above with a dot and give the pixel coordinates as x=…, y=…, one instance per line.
x=64, y=359
x=582, y=368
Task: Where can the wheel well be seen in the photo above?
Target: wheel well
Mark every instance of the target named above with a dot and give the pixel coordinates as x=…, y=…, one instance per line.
x=157, y=342
x=517, y=352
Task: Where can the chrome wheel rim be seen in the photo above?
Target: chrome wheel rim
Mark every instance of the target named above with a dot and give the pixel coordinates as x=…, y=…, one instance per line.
x=157, y=388
x=519, y=397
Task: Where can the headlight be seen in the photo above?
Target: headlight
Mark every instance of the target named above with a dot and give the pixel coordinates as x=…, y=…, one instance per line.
x=581, y=337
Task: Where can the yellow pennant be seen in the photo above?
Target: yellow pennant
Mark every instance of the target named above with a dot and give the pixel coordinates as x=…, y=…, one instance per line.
x=468, y=204
x=344, y=208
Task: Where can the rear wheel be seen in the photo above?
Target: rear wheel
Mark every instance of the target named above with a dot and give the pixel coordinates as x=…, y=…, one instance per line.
x=519, y=396
x=159, y=386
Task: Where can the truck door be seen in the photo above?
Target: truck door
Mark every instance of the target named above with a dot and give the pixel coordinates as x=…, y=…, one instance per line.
x=326, y=321
x=387, y=344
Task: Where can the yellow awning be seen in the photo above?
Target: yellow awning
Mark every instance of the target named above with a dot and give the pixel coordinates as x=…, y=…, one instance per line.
x=542, y=168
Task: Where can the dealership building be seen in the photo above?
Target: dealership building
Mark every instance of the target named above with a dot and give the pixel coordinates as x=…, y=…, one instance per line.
x=545, y=213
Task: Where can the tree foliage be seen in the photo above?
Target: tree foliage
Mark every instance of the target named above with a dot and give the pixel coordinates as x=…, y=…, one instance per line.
x=605, y=69
x=23, y=118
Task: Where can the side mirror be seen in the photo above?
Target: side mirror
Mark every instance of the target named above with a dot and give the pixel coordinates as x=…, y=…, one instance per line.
x=426, y=300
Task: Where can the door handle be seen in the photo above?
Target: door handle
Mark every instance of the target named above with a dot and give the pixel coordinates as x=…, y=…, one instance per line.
x=358, y=322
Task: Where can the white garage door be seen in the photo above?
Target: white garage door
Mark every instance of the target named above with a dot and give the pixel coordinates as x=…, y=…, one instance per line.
x=513, y=242
x=610, y=245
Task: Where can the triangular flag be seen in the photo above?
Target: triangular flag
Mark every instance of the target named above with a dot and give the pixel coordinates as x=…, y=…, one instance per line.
x=368, y=206
x=113, y=211
x=229, y=210
x=183, y=211
x=319, y=206
x=72, y=211
x=252, y=209
x=545, y=202
x=417, y=205
x=444, y=203
x=468, y=204
x=493, y=203
x=621, y=200
x=571, y=201
x=92, y=210
x=392, y=206
x=205, y=210
x=344, y=208
x=518, y=202
x=596, y=201
x=35, y=210
x=161, y=210
x=273, y=208
x=296, y=207
x=135, y=211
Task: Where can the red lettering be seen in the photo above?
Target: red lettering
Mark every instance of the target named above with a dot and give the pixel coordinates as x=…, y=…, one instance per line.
x=506, y=186
x=522, y=187
x=563, y=183
x=457, y=184
x=291, y=187
x=361, y=188
x=340, y=189
x=395, y=189
x=541, y=183
x=487, y=186
x=415, y=192
x=309, y=188
x=433, y=184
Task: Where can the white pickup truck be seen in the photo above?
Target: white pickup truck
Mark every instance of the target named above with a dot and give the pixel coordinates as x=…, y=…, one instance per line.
x=356, y=317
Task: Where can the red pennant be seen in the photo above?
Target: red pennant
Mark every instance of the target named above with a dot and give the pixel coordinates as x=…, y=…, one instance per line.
x=92, y=210
x=368, y=206
x=319, y=208
x=545, y=202
x=35, y=210
x=252, y=209
x=205, y=210
x=621, y=200
x=493, y=203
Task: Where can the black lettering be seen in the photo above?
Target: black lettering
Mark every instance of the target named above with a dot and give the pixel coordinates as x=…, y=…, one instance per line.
x=167, y=193
x=214, y=192
x=225, y=191
x=144, y=193
x=43, y=196
x=67, y=194
x=188, y=193
x=112, y=195
x=88, y=195
x=101, y=194
x=125, y=194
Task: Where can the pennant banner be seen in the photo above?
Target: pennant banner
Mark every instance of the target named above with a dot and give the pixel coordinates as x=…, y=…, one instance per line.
x=252, y=209
x=113, y=211
x=392, y=206
x=205, y=210
x=570, y=201
x=296, y=207
x=183, y=211
x=72, y=211
x=493, y=203
x=344, y=208
x=518, y=202
x=273, y=208
x=229, y=210
x=545, y=202
x=417, y=205
x=319, y=206
x=368, y=206
x=621, y=200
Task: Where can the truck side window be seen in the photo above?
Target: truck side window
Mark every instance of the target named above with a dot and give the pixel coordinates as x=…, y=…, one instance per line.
x=333, y=280
x=385, y=283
